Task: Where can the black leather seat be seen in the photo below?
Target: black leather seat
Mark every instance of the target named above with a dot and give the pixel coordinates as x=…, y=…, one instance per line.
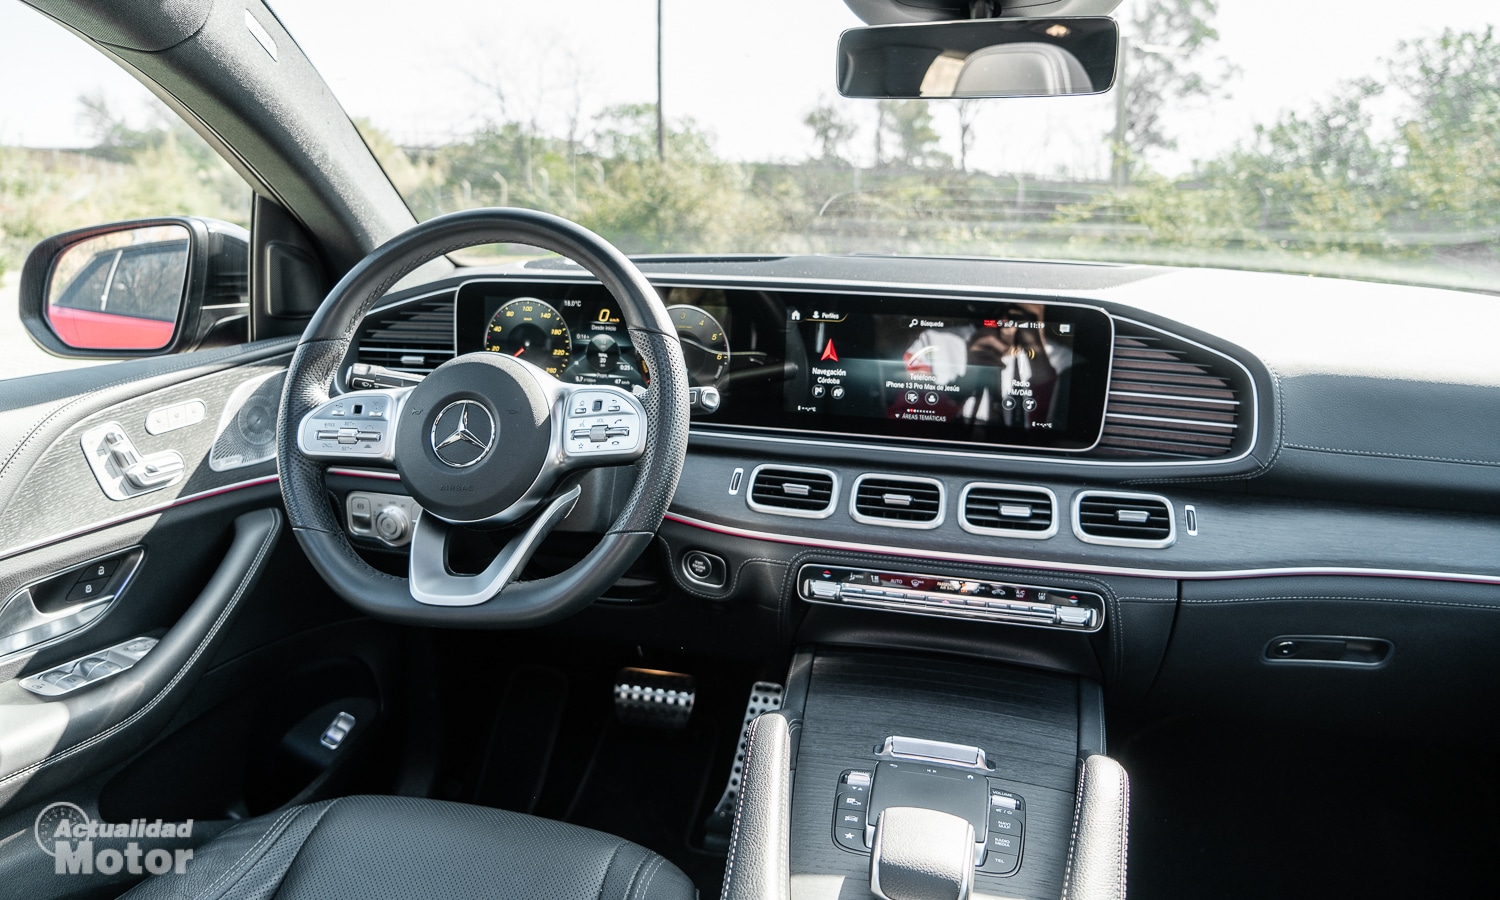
x=398, y=848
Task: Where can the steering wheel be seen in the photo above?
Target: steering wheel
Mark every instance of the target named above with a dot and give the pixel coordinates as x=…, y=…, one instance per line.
x=485, y=440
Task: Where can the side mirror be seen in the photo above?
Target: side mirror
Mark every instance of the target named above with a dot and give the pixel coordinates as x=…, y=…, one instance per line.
x=980, y=58
x=140, y=288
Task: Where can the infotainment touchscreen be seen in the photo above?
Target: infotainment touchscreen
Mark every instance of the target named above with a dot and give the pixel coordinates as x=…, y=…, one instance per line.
x=1007, y=372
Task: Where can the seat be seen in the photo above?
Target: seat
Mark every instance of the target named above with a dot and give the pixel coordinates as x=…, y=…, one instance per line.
x=398, y=848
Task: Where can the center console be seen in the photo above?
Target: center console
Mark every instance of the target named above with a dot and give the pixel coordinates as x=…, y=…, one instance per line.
x=933, y=777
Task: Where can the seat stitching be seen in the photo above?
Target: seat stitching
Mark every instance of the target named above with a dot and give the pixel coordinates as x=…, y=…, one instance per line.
x=1124, y=832
x=271, y=834
x=634, y=873
x=650, y=876
x=613, y=854
x=739, y=806
x=265, y=546
x=1073, y=838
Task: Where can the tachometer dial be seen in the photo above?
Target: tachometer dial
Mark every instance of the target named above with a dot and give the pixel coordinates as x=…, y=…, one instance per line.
x=533, y=330
x=705, y=346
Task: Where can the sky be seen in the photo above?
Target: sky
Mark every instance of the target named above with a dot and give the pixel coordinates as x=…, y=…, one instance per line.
x=748, y=72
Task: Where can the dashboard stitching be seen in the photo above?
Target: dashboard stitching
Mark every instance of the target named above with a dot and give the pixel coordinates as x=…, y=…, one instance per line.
x=1299, y=598
x=1445, y=459
x=698, y=591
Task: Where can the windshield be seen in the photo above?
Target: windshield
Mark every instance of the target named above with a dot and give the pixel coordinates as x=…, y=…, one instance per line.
x=1332, y=139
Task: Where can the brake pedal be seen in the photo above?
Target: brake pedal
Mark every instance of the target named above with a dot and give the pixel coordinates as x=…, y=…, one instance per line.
x=765, y=697
x=654, y=699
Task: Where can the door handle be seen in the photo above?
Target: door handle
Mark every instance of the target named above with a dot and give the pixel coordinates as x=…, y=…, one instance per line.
x=22, y=625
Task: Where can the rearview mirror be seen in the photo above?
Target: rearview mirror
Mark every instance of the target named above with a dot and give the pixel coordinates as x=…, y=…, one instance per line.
x=137, y=288
x=979, y=58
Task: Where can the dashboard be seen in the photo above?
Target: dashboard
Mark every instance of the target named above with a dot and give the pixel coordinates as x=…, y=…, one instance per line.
x=1216, y=468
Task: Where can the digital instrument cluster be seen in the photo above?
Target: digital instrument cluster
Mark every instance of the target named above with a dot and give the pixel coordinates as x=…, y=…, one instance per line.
x=581, y=337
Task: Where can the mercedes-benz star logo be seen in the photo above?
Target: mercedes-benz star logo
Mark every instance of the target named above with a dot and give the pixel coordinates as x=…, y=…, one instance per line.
x=463, y=433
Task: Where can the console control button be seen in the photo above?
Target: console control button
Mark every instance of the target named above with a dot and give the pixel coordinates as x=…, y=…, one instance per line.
x=706, y=569
x=388, y=518
x=89, y=669
x=848, y=801
x=1006, y=821
x=1023, y=604
x=1000, y=863
x=850, y=838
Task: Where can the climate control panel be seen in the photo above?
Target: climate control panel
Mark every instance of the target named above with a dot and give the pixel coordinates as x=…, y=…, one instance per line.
x=952, y=597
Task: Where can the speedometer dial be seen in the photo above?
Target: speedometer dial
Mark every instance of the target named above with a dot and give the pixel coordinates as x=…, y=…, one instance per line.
x=533, y=330
x=705, y=346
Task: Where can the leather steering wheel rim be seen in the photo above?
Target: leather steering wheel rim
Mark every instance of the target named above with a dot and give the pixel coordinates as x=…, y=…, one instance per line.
x=325, y=345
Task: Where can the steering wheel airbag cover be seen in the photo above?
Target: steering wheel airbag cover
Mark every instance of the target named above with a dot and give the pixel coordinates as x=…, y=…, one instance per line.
x=521, y=435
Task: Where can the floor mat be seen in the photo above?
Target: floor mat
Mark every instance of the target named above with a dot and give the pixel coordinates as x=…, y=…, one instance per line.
x=542, y=738
x=1229, y=812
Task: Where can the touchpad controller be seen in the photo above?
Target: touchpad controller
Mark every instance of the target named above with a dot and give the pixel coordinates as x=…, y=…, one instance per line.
x=997, y=814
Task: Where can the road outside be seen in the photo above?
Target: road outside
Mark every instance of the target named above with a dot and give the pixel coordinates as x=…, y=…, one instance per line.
x=19, y=355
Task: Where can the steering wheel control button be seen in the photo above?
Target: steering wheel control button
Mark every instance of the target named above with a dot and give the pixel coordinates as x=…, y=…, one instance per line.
x=388, y=518
x=705, y=569
x=90, y=669
x=354, y=425
x=602, y=422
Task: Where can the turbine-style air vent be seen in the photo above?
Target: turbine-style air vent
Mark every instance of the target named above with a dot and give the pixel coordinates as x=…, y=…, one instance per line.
x=1125, y=520
x=898, y=501
x=1011, y=510
x=793, y=491
x=414, y=337
x=1171, y=400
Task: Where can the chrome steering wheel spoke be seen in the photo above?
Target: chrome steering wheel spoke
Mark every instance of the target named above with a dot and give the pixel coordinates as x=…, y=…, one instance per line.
x=356, y=427
x=434, y=585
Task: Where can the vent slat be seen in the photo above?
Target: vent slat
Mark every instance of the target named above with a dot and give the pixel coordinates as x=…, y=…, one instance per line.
x=793, y=491
x=1139, y=521
x=1008, y=509
x=894, y=501
x=1168, y=400
x=416, y=337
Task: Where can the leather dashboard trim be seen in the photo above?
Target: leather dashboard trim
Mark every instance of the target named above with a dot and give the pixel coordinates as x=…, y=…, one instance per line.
x=1086, y=568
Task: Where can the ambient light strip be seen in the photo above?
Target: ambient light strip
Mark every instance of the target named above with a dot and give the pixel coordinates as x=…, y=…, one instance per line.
x=1077, y=568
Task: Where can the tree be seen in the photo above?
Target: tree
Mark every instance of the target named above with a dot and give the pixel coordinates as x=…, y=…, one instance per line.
x=831, y=130
x=910, y=123
x=968, y=113
x=1162, y=66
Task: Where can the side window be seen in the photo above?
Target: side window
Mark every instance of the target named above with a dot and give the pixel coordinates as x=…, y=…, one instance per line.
x=82, y=143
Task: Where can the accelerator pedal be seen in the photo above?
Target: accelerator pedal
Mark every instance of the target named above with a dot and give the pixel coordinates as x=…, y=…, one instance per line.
x=654, y=699
x=765, y=697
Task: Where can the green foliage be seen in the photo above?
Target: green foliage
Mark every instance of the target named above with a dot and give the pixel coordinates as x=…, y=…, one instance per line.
x=614, y=183
x=165, y=169
x=1340, y=183
x=1164, y=67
